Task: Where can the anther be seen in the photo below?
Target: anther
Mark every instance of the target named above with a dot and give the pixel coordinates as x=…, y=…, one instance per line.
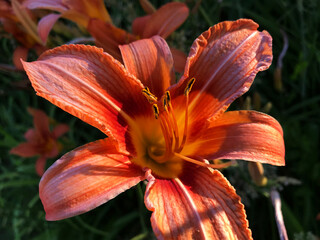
x=165, y=104
x=168, y=96
x=185, y=132
x=149, y=96
x=155, y=110
x=189, y=86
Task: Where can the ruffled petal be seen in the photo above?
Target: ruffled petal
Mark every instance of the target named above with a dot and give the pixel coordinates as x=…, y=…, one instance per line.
x=45, y=25
x=86, y=178
x=165, y=20
x=246, y=135
x=200, y=205
x=109, y=37
x=150, y=60
x=91, y=85
x=224, y=61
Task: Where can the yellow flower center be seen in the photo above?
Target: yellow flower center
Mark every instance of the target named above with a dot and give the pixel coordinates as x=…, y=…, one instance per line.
x=159, y=141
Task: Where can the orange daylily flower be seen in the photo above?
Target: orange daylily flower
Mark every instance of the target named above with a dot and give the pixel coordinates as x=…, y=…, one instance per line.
x=40, y=140
x=162, y=22
x=161, y=131
x=18, y=21
x=94, y=16
x=79, y=11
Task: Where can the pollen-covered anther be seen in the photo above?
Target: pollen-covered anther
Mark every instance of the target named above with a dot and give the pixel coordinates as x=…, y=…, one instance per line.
x=152, y=99
x=155, y=110
x=189, y=86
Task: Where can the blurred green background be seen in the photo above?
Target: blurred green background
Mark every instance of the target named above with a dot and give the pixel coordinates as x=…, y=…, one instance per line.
x=294, y=100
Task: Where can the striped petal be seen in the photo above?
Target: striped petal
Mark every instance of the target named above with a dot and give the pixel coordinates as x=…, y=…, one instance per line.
x=200, y=205
x=224, y=61
x=86, y=178
x=150, y=60
x=91, y=85
x=246, y=135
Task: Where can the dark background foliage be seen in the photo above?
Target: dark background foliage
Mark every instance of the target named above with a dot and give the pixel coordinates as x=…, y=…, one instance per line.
x=295, y=105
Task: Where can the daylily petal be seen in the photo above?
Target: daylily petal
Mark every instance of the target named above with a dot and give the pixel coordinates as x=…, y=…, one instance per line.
x=224, y=61
x=246, y=135
x=6, y=11
x=165, y=20
x=25, y=150
x=31, y=135
x=139, y=24
x=91, y=9
x=45, y=25
x=150, y=60
x=147, y=6
x=202, y=205
x=109, y=37
x=25, y=19
x=86, y=178
x=179, y=59
x=40, y=165
x=55, y=5
x=20, y=53
x=77, y=17
x=59, y=130
x=40, y=121
x=91, y=85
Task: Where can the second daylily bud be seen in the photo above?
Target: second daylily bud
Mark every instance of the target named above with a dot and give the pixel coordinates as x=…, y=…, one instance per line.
x=267, y=107
x=147, y=6
x=277, y=80
x=257, y=173
x=256, y=101
x=247, y=103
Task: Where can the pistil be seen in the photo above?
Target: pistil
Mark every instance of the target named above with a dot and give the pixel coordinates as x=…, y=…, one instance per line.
x=203, y=164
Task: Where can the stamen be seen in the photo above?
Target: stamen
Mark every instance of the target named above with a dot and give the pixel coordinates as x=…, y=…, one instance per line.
x=172, y=118
x=216, y=166
x=185, y=132
x=149, y=96
x=167, y=137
